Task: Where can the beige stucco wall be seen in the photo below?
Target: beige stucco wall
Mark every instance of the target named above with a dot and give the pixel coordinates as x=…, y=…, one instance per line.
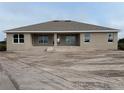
x=98, y=41
x=15, y=47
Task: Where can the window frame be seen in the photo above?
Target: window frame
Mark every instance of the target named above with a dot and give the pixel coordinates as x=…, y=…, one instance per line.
x=84, y=40
x=108, y=38
x=18, y=38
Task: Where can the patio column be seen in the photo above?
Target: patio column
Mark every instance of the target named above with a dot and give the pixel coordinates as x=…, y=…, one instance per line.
x=81, y=39
x=55, y=39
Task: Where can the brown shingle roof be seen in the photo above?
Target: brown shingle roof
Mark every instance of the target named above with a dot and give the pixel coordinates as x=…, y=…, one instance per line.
x=61, y=25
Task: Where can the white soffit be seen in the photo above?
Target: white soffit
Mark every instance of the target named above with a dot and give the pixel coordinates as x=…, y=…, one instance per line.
x=61, y=31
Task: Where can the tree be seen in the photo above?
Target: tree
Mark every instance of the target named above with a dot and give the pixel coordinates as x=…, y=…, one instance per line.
x=121, y=44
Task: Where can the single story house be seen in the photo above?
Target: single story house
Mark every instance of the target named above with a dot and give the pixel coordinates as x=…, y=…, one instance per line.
x=61, y=33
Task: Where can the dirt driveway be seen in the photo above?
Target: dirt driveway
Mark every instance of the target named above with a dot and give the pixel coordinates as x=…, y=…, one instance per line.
x=64, y=70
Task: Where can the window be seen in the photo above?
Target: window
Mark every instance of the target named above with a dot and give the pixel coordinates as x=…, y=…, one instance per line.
x=18, y=38
x=110, y=37
x=87, y=37
x=43, y=39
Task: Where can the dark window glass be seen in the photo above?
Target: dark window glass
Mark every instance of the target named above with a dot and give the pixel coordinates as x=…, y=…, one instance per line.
x=110, y=37
x=87, y=37
x=21, y=36
x=110, y=40
x=15, y=40
x=15, y=35
x=21, y=40
x=70, y=40
x=87, y=40
x=18, y=38
x=43, y=39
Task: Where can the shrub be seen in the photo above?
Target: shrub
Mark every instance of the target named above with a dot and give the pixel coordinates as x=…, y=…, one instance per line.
x=121, y=44
x=2, y=42
x=2, y=47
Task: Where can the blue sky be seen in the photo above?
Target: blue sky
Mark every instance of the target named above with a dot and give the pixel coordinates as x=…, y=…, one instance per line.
x=20, y=14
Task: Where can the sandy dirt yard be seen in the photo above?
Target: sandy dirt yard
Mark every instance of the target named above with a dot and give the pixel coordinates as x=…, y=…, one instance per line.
x=62, y=70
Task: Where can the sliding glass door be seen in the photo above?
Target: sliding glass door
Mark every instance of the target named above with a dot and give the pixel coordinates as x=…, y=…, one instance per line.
x=43, y=40
x=70, y=40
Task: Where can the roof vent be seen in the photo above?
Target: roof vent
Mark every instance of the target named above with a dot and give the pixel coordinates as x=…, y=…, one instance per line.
x=56, y=21
x=67, y=20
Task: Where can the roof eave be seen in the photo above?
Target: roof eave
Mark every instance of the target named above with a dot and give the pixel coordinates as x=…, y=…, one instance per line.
x=61, y=31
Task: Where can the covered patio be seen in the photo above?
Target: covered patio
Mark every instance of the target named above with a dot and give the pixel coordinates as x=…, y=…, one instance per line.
x=56, y=39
